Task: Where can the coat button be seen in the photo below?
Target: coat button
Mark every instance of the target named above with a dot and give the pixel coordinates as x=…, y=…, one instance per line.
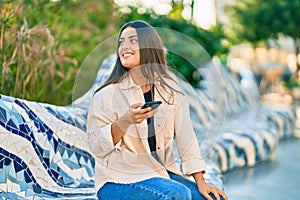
x=117, y=149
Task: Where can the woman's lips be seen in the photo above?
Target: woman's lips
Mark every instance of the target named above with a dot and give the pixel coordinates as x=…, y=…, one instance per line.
x=126, y=55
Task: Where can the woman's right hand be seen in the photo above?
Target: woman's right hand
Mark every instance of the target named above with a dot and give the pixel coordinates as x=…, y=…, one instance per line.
x=134, y=115
x=138, y=115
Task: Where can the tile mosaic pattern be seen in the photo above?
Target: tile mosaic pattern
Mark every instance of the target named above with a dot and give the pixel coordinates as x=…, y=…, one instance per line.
x=40, y=156
x=43, y=147
x=247, y=133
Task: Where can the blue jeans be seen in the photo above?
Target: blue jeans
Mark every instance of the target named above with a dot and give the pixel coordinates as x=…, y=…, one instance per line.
x=176, y=188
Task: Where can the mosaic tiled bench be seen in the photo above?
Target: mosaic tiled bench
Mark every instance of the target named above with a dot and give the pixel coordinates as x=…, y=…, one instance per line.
x=43, y=149
x=44, y=153
x=248, y=132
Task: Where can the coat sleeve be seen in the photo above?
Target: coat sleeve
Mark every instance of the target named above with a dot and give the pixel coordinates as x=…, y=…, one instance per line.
x=187, y=143
x=99, y=123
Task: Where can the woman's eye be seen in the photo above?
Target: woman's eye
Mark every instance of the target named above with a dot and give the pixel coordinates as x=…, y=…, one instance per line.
x=134, y=41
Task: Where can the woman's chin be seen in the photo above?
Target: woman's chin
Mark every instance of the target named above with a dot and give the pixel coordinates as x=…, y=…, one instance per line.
x=130, y=66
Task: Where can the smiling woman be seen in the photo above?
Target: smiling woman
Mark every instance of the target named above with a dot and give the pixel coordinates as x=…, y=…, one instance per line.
x=133, y=145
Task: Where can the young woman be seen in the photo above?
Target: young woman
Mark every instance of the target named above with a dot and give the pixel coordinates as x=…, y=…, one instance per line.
x=133, y=146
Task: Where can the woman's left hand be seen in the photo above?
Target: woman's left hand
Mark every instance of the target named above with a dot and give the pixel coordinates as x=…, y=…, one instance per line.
x=206, y=189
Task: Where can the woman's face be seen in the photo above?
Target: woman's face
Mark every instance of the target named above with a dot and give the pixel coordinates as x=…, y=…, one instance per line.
x=128, y=51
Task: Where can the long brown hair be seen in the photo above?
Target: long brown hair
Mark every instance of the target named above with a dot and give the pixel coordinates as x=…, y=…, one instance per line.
x=152, y=57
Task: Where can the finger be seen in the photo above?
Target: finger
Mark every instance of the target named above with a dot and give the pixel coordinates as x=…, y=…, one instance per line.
x=145, y=110
x=138, y=118
x=143, y=114
x=216, y=194
x=140, y=115
x=223, y=195
x=206, y=195
x=150, y=113
x=136, y=105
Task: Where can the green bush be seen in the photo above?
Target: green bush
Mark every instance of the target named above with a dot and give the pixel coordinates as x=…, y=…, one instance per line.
x=44, y=43
x=33, y=66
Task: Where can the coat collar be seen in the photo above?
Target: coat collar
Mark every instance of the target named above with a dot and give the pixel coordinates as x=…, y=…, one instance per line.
x=127, y=82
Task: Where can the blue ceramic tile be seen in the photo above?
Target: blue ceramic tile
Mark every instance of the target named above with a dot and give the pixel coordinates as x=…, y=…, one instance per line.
x=2, y=115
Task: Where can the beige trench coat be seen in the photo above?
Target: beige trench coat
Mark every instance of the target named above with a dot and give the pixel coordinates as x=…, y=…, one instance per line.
x=130, y=160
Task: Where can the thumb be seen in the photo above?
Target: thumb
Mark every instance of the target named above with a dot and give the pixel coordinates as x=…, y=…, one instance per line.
x=136, y=105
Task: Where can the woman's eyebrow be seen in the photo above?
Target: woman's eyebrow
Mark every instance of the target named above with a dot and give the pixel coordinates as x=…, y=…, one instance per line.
x=132, y=36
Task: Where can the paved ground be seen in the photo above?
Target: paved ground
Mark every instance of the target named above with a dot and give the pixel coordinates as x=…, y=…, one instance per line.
x=275, y=180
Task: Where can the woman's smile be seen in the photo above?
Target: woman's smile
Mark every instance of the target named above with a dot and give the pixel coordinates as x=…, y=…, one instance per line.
x=129, y=52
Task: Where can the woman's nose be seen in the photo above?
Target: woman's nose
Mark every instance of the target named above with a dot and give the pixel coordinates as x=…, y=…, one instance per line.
x=126, y=45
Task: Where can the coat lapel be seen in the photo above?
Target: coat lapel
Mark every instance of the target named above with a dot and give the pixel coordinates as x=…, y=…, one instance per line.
x=134, y=94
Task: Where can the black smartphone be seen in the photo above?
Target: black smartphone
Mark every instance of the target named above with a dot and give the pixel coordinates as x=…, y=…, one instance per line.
x=152, y=104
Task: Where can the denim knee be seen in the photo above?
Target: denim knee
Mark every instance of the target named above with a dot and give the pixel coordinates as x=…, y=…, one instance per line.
x=151, y=189
x=179, y=192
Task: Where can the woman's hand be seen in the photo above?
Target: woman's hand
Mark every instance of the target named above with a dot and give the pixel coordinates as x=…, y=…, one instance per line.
x=137, y=115
x=134, y=115
x=205, y=189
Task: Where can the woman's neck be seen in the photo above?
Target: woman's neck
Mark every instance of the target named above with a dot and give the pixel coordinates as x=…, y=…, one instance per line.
x=139, y=79
x=146, y=88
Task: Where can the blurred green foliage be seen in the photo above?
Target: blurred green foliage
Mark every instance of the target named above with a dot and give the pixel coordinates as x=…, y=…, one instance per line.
x=44, y=43
x=256, y=21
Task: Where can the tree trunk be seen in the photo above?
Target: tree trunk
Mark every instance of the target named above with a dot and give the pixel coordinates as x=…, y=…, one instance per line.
x=297, y=45
x=192, y=10
x=217, y=11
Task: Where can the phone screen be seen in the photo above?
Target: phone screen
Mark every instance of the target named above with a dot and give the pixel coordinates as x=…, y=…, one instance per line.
x=152, y=104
